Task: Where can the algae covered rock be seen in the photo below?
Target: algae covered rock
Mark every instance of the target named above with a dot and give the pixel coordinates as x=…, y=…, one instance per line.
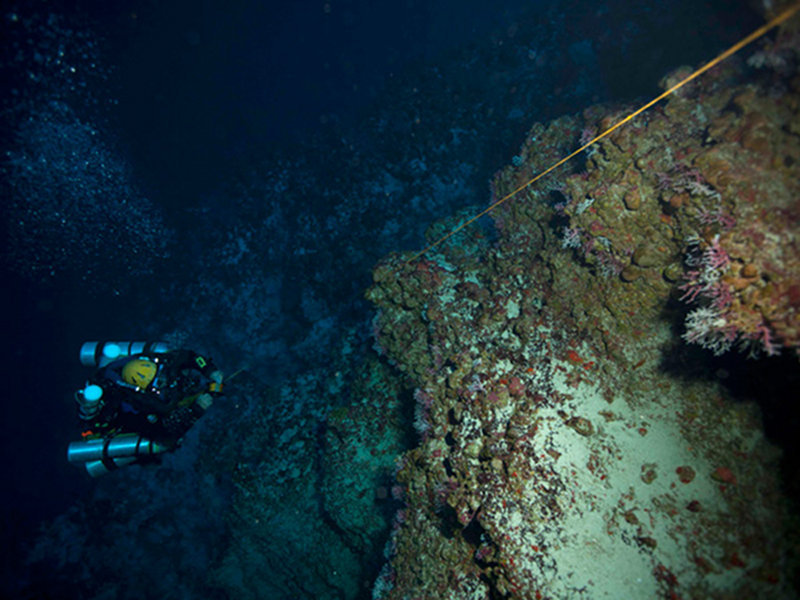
x=556, y=452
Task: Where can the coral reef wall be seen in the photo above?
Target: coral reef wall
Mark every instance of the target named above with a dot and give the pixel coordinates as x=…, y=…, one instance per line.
x=567, y=449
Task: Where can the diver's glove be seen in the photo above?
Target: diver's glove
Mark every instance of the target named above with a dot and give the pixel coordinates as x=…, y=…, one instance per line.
x=215, y=387
x=204, y=401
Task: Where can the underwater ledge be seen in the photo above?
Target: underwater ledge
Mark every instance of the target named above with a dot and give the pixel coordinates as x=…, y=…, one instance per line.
x=588, y=423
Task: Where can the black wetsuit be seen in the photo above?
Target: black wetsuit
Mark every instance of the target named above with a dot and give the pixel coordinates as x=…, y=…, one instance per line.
x=162, y=412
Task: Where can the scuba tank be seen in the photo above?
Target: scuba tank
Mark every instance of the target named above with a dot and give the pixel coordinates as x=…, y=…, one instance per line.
x=99, y=354
x=103, y=455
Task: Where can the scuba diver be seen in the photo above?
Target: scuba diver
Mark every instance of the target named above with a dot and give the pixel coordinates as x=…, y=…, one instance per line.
x=140, y=402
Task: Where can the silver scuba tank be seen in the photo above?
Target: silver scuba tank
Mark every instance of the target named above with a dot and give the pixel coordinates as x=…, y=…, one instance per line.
x=99, y=354
x=103, y=455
